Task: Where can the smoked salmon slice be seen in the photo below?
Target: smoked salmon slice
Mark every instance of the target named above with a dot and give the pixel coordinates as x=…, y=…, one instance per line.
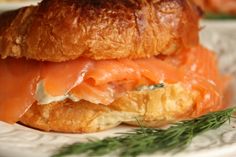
x=60, y=78
x=158, y=71
x=103, y=94
x=18, y=78
x=101, y=82
x=112, y=70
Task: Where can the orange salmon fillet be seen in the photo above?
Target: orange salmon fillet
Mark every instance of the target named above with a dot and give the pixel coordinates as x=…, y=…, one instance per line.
x=101, y=82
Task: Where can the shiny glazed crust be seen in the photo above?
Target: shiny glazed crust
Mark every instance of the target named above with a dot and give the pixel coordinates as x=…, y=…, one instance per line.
x=61, y=30
x=151, y=108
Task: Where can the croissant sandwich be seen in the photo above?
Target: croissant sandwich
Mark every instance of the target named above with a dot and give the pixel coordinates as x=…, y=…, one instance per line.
x=89, y=65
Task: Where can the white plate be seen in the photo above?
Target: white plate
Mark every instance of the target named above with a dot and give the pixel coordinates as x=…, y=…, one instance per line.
x=4, y=6
x=19, y=141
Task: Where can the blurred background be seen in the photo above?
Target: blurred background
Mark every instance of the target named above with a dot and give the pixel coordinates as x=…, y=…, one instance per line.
x=217, y=8
x=213, y=9
x=14, y=4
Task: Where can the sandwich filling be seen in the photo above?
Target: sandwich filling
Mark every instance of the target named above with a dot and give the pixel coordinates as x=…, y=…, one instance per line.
x=25, y=82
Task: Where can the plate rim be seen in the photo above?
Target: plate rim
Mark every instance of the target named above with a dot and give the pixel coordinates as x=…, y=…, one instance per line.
x=5, y=6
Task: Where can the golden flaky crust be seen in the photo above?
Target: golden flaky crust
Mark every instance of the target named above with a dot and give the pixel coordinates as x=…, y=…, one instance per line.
x=60, y=30
x=151, y=108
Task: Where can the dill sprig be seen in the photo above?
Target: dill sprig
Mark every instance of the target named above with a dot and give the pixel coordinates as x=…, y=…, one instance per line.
x=221, y=16
x=149, y=140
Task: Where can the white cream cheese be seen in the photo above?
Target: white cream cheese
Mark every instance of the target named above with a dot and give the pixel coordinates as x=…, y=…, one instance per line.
x=44, y=98
x=151, y=87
